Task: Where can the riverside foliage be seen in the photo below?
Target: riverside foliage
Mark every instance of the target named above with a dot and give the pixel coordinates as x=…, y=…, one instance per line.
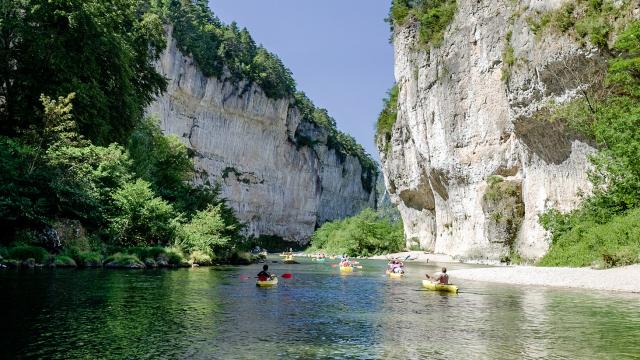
x=366, y=234
x=604, y=228
x=76, y=76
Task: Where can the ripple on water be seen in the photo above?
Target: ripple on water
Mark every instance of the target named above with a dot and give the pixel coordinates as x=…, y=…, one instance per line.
x=206, y=313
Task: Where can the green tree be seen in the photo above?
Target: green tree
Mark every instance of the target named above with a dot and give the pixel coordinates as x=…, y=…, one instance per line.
x=365, y=234
x=140, y=217
x=161, y=160
x=603, y=227
x=100, y=49
x=208, y=232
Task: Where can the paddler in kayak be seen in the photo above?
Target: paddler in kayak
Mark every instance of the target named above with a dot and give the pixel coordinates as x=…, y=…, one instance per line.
x=264, y=275
x=439, y=277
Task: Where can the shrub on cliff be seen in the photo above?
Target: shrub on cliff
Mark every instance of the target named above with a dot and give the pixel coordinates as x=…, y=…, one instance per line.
x=216, y=46
x=433, y=16
x=605, y=226
x=387, y=119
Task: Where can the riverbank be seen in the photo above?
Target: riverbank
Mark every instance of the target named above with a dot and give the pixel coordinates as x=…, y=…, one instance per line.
x=626, y=278
x=29, y=257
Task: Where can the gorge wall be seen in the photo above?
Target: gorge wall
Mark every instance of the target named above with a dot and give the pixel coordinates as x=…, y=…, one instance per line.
x=277, y=171
x=472, y=161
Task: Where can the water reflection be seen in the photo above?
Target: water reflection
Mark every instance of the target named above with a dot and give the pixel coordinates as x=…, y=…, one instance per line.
x=212, y=313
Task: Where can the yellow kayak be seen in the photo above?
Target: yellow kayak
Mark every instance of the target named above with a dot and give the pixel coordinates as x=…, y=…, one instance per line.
x=427, y=284
x=267, y=283
x=289, y=260
x=346, y=269
x=394, y=275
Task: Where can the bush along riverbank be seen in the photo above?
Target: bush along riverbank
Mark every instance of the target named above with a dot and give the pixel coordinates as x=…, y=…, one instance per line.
x=604, y=231
x=29, y=257
x=366, y=234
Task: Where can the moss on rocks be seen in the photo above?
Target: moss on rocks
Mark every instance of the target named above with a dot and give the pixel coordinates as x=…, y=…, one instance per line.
x=90, y=259
x=125, y=261
x=503, y=206
x=63, y=261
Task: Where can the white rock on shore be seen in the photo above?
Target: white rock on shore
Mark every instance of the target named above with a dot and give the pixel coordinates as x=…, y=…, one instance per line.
x=419, y=256
x=625, y=278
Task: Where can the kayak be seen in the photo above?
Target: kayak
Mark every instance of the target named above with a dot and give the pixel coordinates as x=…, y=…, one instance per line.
x=439, y=287
x=346, y=269
x=394, y=275
x=289, y=260
x=320, y=259
x=267, y=283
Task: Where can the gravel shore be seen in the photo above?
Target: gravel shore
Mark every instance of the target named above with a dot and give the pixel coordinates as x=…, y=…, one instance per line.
x=625, y=278
x=420, y=256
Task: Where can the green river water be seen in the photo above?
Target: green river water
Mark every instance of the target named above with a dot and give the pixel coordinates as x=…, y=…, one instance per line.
x=211, y=313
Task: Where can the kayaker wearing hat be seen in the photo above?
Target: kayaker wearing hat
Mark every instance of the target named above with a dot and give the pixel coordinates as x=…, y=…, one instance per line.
x=439, y=277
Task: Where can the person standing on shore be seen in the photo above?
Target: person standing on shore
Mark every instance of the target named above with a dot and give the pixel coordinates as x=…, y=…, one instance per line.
x=439, y=277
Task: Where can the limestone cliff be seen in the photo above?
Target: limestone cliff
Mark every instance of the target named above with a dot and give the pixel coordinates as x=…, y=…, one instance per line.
x=277, y=171
x=471, y=161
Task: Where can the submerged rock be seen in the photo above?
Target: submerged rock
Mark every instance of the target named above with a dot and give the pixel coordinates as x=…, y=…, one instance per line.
x=29, y=263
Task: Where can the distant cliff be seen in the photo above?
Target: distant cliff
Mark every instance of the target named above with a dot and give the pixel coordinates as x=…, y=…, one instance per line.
x=471, y=161
x=280, y=172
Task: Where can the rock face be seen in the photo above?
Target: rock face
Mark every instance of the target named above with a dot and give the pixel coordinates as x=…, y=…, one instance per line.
x=471, y=161
x=251, y=145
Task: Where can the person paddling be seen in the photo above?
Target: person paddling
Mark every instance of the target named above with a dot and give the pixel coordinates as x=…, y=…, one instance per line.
x=264, y=275
x=439, y=277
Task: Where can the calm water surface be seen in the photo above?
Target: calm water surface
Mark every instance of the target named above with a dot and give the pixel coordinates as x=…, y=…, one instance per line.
x=206, y=313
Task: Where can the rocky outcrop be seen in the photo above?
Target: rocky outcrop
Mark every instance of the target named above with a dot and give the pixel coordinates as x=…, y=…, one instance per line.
x=278, y=172
x=472, y=163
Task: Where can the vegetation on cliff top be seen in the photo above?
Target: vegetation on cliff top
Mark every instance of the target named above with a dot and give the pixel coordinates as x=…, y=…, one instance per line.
x=592, y=21
x=216, y=47
x=387, y=119
x=602, y=228
x=433, y=16
x=343, y=143
x=366, y=234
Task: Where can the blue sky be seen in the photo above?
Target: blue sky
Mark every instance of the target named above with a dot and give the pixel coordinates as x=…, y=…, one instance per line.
x=338, y=51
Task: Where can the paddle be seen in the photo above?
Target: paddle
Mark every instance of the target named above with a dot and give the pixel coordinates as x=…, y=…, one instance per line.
x=284, y=276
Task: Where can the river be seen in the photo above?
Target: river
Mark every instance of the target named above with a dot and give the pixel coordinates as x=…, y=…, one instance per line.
x=212, y=313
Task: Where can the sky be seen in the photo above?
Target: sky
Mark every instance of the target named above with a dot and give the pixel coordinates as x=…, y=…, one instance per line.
x=337, y=50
